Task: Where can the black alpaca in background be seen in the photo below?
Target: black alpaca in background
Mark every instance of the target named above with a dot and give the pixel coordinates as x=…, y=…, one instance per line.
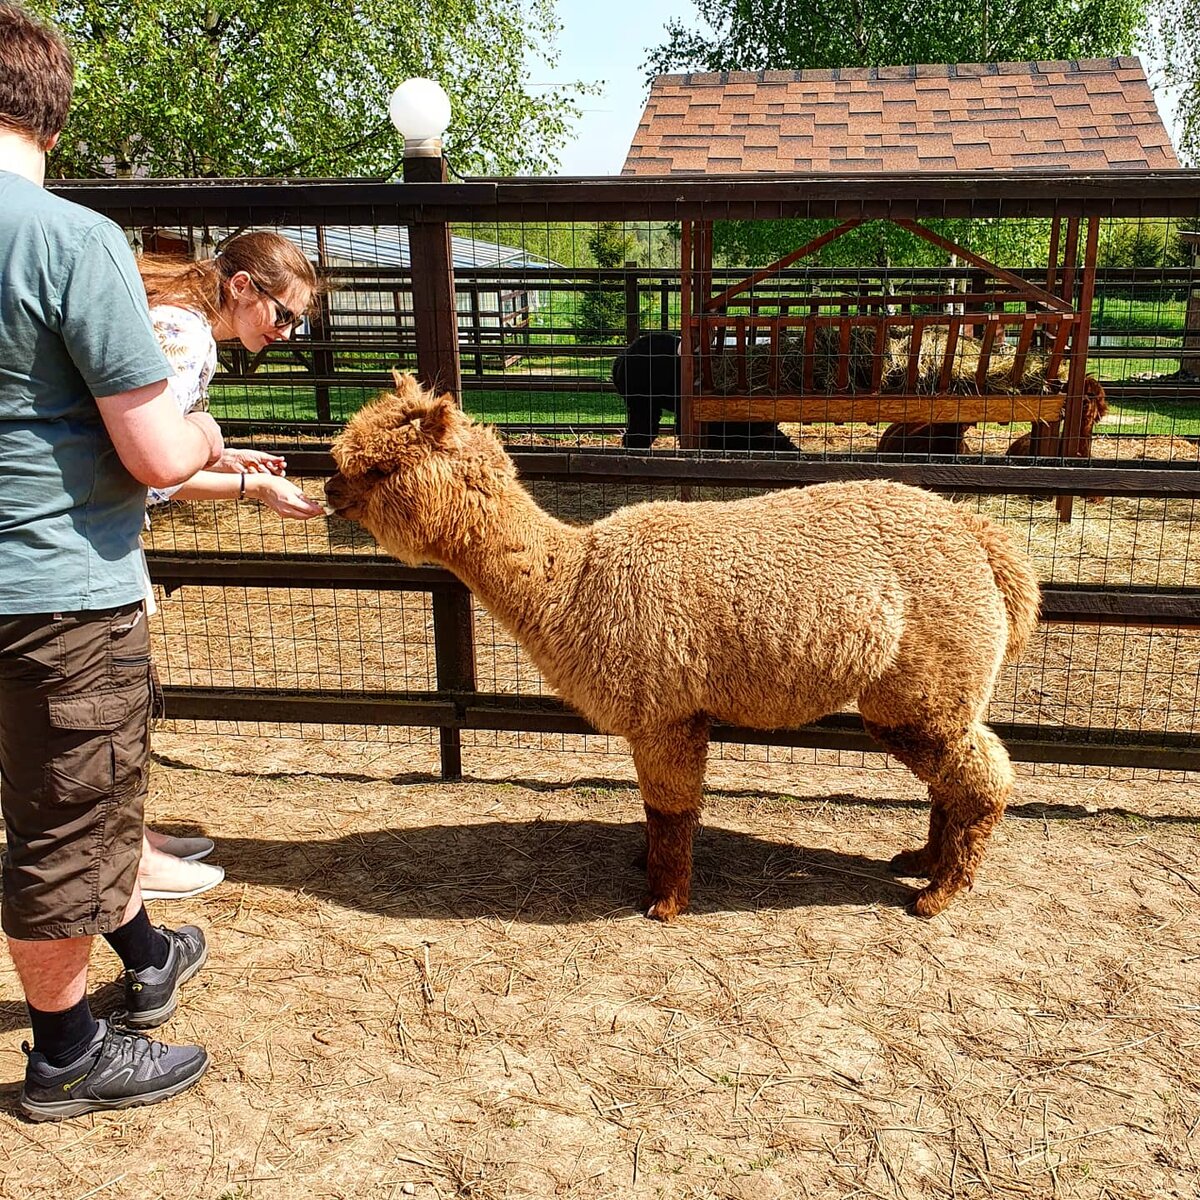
x=647, y=375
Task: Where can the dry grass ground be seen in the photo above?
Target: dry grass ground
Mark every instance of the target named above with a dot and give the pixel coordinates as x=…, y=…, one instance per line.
x=443, y=990
x=446, y=990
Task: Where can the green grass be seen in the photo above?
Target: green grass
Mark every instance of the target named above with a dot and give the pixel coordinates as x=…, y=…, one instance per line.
x=1133, y=417
x=567, y=407
x=284, y=403
x=1163, y=317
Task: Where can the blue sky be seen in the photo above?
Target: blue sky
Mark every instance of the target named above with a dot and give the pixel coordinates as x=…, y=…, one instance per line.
x=608, y=41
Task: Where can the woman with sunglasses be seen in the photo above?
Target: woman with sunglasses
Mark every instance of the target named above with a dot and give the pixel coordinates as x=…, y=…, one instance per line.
x=254, y=292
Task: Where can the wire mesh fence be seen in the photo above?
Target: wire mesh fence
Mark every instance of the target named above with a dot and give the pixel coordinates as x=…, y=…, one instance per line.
x=1031, y=349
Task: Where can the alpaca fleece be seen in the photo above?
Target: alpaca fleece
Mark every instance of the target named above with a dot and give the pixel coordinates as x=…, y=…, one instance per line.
x=768, y=612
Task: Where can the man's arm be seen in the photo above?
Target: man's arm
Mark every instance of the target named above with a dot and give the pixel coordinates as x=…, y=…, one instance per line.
x=158, y=446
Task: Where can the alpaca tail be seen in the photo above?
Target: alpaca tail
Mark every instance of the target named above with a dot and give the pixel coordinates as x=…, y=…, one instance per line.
x=1015, y=577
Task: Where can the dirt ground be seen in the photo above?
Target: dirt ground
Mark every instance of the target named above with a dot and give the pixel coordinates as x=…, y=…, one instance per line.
x=432, y=989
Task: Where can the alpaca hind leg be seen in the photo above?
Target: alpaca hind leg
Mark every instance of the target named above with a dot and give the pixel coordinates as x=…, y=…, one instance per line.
x=972, y=790
x=924, y=860
x=970, y=779
x=921, y=752
x=670, y=769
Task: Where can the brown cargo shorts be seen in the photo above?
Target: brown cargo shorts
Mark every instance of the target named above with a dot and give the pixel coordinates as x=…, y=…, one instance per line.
x=75, y=704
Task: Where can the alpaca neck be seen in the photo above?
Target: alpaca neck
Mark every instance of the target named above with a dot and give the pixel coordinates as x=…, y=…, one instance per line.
x=521, y=559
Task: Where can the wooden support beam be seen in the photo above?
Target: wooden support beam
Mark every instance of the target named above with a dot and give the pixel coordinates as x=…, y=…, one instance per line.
x=910, y=408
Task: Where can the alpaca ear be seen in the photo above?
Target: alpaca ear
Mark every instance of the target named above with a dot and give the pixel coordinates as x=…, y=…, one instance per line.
x=440, y=422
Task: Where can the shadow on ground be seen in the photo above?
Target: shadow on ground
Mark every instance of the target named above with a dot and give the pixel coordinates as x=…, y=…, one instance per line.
x=544, y=872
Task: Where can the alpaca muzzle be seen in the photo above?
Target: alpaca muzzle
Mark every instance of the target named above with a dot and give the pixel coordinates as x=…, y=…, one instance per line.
x=339, y=497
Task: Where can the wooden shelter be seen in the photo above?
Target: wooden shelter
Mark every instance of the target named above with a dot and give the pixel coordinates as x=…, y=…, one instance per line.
x=1009, y=349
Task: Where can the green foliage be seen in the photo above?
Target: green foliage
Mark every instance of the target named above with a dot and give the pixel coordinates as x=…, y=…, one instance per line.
x=1016, y=243
x=798, y=34
x=1142, y=243
x=609, y=244
x=558, y=242
x=284, y=88
x=601, y=313
x=1173, y=37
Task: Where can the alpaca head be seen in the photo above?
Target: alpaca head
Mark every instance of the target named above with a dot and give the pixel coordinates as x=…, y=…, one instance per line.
x=417, y=473
x=1094, y=400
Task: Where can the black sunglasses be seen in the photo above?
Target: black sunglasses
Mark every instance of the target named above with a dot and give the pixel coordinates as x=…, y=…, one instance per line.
x=283, y=315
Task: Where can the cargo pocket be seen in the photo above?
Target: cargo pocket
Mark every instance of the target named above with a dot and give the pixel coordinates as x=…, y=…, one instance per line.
x=158, y=699
x=99, y=743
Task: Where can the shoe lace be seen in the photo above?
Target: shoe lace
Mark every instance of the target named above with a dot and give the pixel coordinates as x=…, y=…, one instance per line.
x=132, y=1049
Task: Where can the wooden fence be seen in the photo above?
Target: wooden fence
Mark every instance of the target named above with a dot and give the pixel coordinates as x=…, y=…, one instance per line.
x=439, y=346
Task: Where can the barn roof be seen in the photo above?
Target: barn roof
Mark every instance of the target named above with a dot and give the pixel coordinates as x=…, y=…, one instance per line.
x=387, y=246
x=1086, y=114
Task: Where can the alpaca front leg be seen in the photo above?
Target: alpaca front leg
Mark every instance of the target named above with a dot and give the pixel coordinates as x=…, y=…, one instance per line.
x=669, y=861
x=670, y=769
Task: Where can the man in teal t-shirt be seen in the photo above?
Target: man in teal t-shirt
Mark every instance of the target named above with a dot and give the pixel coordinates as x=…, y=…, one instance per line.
x=86, y=423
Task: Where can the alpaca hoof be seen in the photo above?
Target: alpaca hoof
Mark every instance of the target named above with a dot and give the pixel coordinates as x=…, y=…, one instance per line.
x=666, y=909
x=931, y=900
x=912, y=862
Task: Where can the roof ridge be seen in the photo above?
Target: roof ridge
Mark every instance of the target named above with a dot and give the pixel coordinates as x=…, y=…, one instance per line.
x=1033, y=66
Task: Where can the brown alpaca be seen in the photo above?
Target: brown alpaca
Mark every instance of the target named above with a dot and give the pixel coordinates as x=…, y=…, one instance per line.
x=768, y=612
x=942, y=437
x=1095, y=406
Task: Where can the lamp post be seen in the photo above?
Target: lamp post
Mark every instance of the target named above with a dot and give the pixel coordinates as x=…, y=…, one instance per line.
x=420, y=111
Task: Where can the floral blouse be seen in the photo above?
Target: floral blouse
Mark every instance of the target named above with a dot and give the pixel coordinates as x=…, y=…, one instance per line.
x=187, y=341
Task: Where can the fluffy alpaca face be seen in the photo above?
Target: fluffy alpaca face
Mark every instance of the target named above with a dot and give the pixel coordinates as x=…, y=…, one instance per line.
x=416, y=473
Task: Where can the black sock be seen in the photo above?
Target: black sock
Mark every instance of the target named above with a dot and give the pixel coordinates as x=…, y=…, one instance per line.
x=63, y=1036
x=138, y=944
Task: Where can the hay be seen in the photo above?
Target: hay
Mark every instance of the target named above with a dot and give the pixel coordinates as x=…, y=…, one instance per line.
x=759, y=360
x=446, y=991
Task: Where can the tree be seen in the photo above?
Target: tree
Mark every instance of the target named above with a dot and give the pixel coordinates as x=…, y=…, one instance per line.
x=798, y=34
x=601, y=314
x=1173, y=37
x=284, y=88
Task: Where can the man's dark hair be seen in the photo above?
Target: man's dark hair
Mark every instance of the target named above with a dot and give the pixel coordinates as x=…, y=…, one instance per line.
x=37, y=76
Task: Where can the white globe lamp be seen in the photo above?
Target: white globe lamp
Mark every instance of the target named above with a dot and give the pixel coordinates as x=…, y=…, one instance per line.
x=420, y=111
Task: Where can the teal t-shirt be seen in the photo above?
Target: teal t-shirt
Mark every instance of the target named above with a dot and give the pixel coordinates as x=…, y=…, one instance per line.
x=73, y=325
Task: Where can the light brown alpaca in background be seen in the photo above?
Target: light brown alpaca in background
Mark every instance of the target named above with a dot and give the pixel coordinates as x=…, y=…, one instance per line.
x=768, y=612
x=948, y=437
x=1095, y=406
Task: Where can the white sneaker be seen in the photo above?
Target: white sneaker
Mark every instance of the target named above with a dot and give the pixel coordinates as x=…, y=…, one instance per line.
x=182, y=885
x=189, y=849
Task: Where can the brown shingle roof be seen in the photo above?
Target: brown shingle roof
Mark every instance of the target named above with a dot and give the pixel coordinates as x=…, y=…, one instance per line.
x=1095, y=114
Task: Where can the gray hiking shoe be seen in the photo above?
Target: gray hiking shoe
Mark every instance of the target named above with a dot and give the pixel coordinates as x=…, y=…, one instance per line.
x=118, y=1070
x=151, y=995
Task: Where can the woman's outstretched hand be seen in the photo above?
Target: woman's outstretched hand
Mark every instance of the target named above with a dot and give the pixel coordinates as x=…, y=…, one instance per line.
x=282, y=495
x=253, y=462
